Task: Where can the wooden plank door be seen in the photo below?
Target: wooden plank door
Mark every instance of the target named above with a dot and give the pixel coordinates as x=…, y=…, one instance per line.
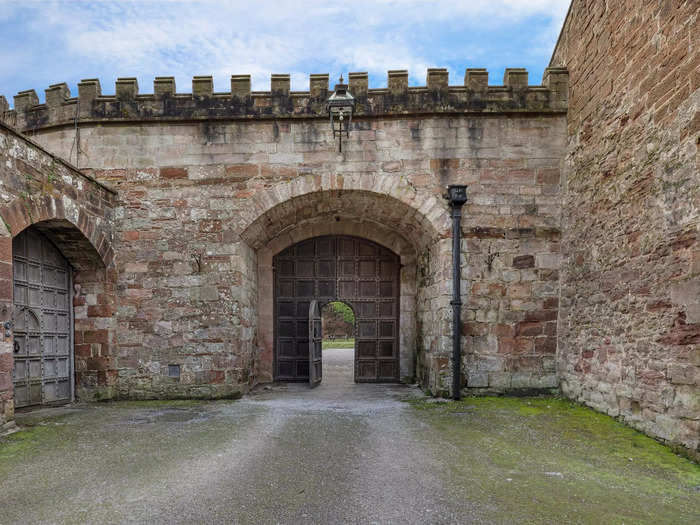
x=315, y=345
x=43, y=372
x=356, y=271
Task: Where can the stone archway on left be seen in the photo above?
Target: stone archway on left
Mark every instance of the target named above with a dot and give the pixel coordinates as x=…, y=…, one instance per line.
x=61, y=333
x=59, y=221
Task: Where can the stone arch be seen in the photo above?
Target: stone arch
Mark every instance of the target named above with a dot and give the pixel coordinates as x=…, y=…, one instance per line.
x=322, y=306
x=404, y=206
x=84, y=239
x=383, y=209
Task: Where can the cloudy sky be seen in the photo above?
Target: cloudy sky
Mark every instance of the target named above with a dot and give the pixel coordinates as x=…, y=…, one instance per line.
x=45, y=42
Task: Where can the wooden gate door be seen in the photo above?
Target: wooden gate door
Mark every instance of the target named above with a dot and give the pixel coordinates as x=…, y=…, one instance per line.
x=358, y=272
x=43, y=372
x=315, y=345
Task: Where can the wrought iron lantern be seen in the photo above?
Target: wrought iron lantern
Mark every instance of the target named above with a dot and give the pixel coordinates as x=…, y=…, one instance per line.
x=340, y=106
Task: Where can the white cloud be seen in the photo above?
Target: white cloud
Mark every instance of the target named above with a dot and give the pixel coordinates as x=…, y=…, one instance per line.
x=191, y=38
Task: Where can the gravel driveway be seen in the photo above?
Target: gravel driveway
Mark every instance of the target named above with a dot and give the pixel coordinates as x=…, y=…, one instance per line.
x=341, y=453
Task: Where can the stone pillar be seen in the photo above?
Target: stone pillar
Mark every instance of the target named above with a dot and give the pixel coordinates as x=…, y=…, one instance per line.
x=57, y=94
x=203, y=86
x=318, y=86
x=164, y=86
x=476, y=79
x=6, y=343
x=88, y=90
x=358, y=84
x=438, y=80
x=557, y=80
x=279, y=84
x=127, y=88
x=240, y=86
x=25, y=99
x=515, y=77
x=397, y=82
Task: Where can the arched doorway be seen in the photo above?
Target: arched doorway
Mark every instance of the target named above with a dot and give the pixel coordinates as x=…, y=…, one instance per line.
x=337, y=268
x=42, y=318
x=338, y=331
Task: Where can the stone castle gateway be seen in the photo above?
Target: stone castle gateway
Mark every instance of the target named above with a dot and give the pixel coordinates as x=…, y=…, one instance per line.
x=190, y=231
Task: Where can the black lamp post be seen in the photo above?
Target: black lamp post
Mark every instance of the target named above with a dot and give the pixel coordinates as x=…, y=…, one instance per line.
x=340, y=107
x=457, y=197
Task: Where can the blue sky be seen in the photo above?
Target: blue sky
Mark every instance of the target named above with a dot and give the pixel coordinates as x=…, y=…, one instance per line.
x=46, y=42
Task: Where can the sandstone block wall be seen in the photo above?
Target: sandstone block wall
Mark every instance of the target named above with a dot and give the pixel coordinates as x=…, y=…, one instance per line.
x=629, y=322
x=40, y=190
x=210, y=186
x=590, y=280
x=170, y=213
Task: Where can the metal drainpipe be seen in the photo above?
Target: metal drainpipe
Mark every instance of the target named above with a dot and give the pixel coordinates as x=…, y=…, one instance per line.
x=457, y=196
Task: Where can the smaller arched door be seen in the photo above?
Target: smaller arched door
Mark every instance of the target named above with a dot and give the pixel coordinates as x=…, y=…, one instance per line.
x=338, y=268
x=42, y=321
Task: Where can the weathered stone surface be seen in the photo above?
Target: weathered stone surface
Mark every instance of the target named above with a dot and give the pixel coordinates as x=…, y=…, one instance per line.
x=203, y=207
x=40, y=190
x=629, y=330
x=579, y=245
x=203, y=104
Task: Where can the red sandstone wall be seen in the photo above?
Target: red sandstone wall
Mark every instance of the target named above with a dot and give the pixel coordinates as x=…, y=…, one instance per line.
x=188, y=189
x=212, y=185
x=75, y=212
x=629, y=321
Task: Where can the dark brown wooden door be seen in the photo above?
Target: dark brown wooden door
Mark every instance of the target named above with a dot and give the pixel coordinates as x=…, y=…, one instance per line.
x=315, y=345
x=338, y=268
x=43, y=372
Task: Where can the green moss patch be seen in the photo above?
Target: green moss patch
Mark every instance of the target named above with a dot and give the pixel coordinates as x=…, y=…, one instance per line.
x=28, y=440
x=159, y=403
x=552, y=457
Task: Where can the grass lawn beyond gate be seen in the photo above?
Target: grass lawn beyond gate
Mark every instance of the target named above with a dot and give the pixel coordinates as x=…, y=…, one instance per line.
x=339, y=343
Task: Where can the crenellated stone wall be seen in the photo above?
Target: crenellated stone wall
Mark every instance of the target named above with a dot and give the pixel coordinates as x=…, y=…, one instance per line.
x=165, y=104
x=211, y=186
x=629, y=323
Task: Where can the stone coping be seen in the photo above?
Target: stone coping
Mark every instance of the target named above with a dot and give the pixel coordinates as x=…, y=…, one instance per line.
x=475, y=96
x=12, y=131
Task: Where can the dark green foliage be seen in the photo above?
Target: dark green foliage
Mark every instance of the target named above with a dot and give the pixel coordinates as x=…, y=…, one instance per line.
x=344, y=310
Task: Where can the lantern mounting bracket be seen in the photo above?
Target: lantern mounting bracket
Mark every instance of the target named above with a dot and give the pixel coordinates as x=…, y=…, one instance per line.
x=340, y=107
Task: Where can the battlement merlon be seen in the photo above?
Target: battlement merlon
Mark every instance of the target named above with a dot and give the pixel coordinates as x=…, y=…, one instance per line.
x=475, y=96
